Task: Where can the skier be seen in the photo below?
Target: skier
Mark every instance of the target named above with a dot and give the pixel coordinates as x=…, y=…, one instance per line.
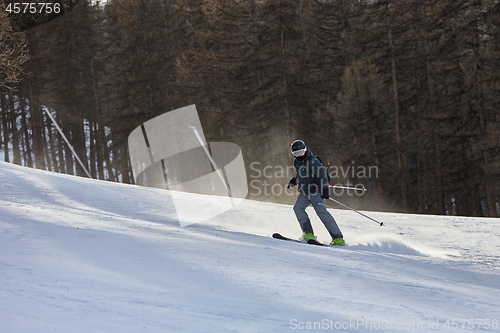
x=313, y=187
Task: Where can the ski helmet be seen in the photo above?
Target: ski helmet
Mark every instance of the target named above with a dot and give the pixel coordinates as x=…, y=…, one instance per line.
x=298, y=148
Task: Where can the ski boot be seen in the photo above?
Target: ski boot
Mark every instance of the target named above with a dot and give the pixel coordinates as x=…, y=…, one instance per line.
x=307, y=236
x=338, y=241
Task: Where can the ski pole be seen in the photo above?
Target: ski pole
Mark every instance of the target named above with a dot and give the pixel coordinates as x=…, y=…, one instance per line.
x=348, y=188
x=354, y=210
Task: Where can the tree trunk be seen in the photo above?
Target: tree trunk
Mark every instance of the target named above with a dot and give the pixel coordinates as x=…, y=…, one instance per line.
x=397, y=113
x=37, y=128
x=5, y=127
x=434, y=112
x=28, y=158
x=16, y=149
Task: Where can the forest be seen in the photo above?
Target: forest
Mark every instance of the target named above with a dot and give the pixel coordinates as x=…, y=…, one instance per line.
x=400, y=97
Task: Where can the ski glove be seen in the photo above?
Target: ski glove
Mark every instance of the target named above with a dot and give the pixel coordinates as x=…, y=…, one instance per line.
x=326, y=193
x=292, y=182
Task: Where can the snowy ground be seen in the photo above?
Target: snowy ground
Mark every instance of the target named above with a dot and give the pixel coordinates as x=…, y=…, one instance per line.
x=79, y=255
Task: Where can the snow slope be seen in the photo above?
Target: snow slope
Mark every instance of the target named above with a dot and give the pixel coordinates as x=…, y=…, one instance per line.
x=80, y=255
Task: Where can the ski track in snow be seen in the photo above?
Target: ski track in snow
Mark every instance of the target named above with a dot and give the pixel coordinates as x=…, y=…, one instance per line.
x=79, y=255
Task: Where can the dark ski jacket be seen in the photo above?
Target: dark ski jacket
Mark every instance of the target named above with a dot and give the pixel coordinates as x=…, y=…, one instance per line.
x=310, y=174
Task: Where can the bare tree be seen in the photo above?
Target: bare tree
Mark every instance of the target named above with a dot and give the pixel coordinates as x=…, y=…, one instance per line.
x=13, y=53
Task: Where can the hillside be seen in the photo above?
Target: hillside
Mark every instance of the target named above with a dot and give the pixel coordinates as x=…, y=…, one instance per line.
x=80, y=255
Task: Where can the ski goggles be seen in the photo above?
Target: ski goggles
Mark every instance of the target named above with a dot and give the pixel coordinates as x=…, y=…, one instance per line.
x=300, y=152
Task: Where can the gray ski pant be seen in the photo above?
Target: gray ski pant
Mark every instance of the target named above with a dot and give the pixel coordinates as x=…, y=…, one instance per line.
x=319, y=205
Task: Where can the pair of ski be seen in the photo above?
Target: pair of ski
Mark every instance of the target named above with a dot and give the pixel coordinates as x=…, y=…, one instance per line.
x=309, y=241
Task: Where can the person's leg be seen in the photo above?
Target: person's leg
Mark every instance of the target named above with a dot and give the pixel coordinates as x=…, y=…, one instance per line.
x=300, y=211
x=319, y=205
